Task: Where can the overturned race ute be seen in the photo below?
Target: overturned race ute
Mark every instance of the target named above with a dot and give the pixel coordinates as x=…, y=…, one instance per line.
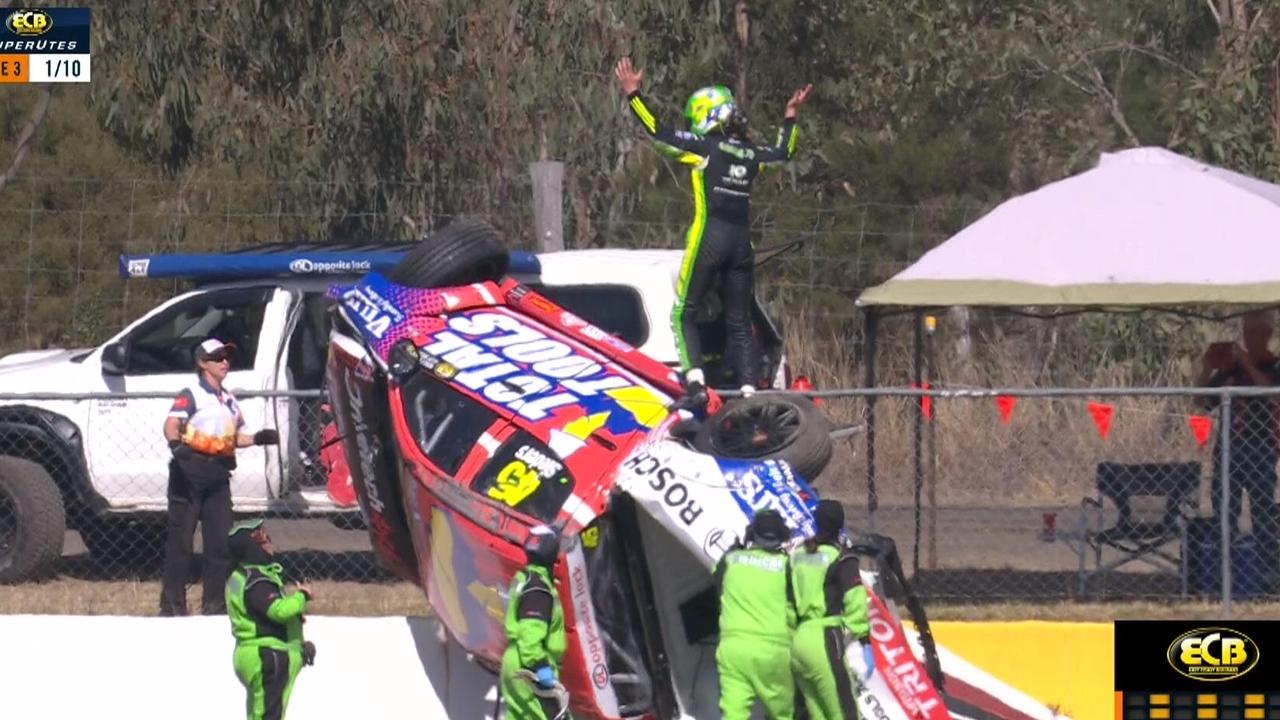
x=472, y=409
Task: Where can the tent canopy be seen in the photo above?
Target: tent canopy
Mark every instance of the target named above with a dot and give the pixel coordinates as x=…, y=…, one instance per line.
x=1145, y=227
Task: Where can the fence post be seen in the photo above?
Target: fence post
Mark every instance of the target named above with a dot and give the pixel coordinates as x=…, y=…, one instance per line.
x=1224, y=508
x=931, y=449
x=872, y=319
x=548, y=204
x=917, y=435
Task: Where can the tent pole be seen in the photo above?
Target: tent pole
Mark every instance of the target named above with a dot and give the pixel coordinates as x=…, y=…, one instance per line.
x=872, y=321
x=931, y=445
x=917, y=436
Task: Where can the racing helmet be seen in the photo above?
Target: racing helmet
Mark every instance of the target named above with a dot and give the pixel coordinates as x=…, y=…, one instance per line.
x=542, y=546
x=710, y=108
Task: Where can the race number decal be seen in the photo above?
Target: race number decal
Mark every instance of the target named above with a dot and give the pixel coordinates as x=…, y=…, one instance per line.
x=526, y=475
x=516, y=482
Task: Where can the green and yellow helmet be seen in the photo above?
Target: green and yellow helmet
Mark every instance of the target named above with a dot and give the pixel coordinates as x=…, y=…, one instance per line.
x=708, y=109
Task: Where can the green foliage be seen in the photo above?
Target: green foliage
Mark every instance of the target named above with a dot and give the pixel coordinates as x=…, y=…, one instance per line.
x=218, y=124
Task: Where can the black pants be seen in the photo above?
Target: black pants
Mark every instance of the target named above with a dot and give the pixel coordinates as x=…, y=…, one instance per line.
x=718, y=251
x=835, y=645
x=199, y=491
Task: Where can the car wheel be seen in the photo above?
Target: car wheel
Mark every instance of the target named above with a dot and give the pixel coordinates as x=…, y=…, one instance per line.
x=32, y=521
x=464, y=252
x=770, y=427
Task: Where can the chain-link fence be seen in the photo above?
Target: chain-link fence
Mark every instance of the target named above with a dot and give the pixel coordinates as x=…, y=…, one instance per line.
x=60, y=283
x=86, y=478
x=1032, y=496
x=1051, y=495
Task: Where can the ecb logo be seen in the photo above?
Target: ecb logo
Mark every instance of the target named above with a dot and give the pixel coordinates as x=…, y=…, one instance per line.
x=1213, y=654
x=28, y=22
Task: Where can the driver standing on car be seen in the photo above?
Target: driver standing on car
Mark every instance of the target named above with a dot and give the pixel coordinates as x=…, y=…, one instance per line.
x=718, y=245
x=757, y=620
x=832, y=606
x=535, y=632
x=203, y=429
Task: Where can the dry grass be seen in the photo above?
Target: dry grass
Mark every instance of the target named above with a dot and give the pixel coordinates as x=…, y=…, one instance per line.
x=83, y=597
x=1046, y=455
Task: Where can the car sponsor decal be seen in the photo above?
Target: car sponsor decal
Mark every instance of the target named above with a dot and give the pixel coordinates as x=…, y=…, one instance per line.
x=385, y=312
x=519, y=367
x=669, y=487
x=771, y=484
x=590, y=641
x=900, y=686
x=704, y=507
x=372, y=313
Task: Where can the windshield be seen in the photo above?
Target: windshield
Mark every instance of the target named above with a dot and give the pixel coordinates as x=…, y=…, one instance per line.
x=445, y=424
x=616, y=309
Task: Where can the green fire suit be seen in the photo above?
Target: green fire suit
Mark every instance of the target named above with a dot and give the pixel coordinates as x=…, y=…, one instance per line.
x=267, y=625
x=832, y=606
x=718, y=243
x=535, y=637
x=757, y=619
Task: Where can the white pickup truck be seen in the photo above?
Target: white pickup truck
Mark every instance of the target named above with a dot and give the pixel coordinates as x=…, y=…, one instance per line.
x=80, y=430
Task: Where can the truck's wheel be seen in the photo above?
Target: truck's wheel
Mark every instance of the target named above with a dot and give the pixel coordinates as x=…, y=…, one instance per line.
x=464, y=252
x=124, y=545
x=770, y=427
x=32, y=521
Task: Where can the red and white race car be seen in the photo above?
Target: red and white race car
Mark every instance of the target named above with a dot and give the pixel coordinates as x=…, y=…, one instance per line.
x=472, y=408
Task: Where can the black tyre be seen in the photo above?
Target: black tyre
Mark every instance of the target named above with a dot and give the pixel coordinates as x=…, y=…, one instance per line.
x=770, y=427
x=124, y=546
x=32, y=521
x=464, y=252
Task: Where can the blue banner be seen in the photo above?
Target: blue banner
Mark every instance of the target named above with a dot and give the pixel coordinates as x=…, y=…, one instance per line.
x=300, y=263
x=771, y=484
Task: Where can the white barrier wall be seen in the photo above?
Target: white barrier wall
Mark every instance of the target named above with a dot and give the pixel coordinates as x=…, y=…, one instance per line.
x=56, y=666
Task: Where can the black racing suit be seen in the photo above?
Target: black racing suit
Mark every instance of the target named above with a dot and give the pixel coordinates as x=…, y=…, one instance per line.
x=718, y=244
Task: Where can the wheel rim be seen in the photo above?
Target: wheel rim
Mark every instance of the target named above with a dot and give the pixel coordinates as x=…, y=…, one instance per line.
x=8, y=526
x=756, y=430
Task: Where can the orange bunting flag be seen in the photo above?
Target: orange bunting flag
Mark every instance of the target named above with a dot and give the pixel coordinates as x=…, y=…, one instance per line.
x=1101, y=413
x=1201, y=426
x=926, y=402
x=1005, y=404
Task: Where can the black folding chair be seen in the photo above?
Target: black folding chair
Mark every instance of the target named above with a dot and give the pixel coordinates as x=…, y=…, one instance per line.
x=1136, y=539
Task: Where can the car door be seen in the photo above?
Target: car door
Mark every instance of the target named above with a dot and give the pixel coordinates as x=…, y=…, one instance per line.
x=308, y=439
x=467, y=545
x=126, y=451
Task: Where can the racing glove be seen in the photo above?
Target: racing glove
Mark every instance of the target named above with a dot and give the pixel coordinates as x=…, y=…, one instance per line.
x=266, y=437
x=869, y=658
x=308, y=653
x=546, y=678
